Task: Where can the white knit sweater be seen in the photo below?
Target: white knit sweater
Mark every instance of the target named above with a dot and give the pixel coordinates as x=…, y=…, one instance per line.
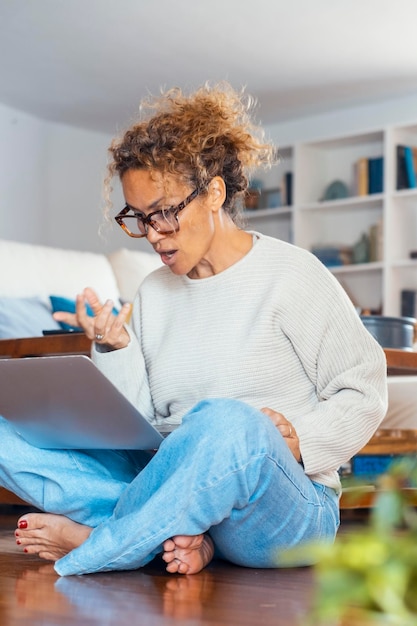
x=274, y=330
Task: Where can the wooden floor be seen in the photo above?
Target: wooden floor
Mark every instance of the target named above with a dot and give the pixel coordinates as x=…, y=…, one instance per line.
x=221, y=595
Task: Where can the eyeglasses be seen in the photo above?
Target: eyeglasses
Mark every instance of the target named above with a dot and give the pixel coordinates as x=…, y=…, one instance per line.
x=164, y=221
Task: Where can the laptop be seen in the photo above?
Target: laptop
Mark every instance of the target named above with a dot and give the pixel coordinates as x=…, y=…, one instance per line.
x=65, y=402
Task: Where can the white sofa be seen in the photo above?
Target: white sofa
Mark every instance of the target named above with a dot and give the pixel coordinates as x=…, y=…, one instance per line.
x=31, y=274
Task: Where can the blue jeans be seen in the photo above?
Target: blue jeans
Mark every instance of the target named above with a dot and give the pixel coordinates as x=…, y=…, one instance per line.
x=227, y=471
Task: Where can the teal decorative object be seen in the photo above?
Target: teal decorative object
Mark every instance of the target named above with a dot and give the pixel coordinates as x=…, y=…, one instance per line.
x=336, y=191
x=361, y=250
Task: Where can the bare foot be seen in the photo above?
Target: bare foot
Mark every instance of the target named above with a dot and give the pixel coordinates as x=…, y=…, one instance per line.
x=49, y=536
x=188, y=554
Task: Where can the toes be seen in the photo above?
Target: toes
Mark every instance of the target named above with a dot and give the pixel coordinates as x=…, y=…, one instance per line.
x=41, y=551
x=168, y=557
x=169, y=545
x=190, y=554
x=177, y=567
x=29, y=527
x=33, y=549
x=188, y=541
x=30, y=521
x=49, y=536
x=172, y=567
x=30, y=539
x=24, y=538
x=183, y=568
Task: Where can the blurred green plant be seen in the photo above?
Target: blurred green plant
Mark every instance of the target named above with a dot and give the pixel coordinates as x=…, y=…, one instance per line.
x=369, y=576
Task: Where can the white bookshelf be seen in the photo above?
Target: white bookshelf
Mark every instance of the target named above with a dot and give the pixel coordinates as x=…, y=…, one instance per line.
x=313, y=222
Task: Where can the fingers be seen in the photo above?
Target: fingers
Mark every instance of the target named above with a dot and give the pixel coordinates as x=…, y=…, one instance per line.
x=67, y=318
x=286, y=429
x=103, y=326
x=280, y=421
x=110, y=329
x=92, y=299
x=79, y=319
x=103, y=319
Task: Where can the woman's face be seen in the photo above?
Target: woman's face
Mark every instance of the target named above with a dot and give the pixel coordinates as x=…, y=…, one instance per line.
x=190, y=249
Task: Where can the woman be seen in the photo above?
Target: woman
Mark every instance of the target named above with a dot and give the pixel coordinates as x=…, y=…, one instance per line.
x=246, y=341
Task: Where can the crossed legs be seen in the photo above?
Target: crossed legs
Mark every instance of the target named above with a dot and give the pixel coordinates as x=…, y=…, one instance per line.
x=226, y=471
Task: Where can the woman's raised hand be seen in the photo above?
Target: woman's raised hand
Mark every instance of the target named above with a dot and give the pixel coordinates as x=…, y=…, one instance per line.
x=104, y=327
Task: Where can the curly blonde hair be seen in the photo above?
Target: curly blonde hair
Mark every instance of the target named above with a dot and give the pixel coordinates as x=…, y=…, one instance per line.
x=195, y=137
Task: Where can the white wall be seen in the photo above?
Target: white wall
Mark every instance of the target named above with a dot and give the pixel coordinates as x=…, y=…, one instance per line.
x=346, y=121
x=22, y=176
x=75, y=167
x=51, y=182
x=51, y=174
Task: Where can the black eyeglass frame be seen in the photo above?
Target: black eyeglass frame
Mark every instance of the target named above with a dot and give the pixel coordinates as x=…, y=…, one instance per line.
x=148, y=221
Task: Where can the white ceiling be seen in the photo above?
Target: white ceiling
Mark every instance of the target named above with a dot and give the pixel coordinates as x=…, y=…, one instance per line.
x=88, y=62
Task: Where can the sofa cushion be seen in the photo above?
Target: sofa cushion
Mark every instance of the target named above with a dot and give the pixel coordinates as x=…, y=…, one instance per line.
x=130, y=268
x=38, y=271
x=25, y=317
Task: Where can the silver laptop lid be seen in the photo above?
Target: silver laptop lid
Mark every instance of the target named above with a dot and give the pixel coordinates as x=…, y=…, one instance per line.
x=66, y=402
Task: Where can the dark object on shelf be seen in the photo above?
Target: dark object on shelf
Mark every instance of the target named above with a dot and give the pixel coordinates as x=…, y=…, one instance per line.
x=361, y=251
x=401, y=170
x=336, y=191
x=391, y=332
x=413, y=254
x=333, y=256
x=409, y=167
x=286, y=190
x=375, y=175
x=409, y=303
x=406, y=171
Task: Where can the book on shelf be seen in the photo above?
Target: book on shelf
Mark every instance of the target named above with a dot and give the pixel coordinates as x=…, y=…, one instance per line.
x=409, y=167
x=409, y=303
x=361, y=177
x=369, y=175
x=401, y=171
x=414, y=151
x=375, y=175
x=376, y=242
x=406, y=167
x=286, y=189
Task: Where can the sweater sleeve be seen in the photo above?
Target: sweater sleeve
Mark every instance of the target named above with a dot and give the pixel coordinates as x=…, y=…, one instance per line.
x=346, y=365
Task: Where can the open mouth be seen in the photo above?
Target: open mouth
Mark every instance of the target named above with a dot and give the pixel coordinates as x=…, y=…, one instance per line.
x=167, y=256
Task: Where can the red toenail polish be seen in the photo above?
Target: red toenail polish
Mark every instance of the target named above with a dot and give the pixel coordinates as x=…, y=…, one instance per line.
x=23, y=524
x=18, y=542
x=25, y=550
